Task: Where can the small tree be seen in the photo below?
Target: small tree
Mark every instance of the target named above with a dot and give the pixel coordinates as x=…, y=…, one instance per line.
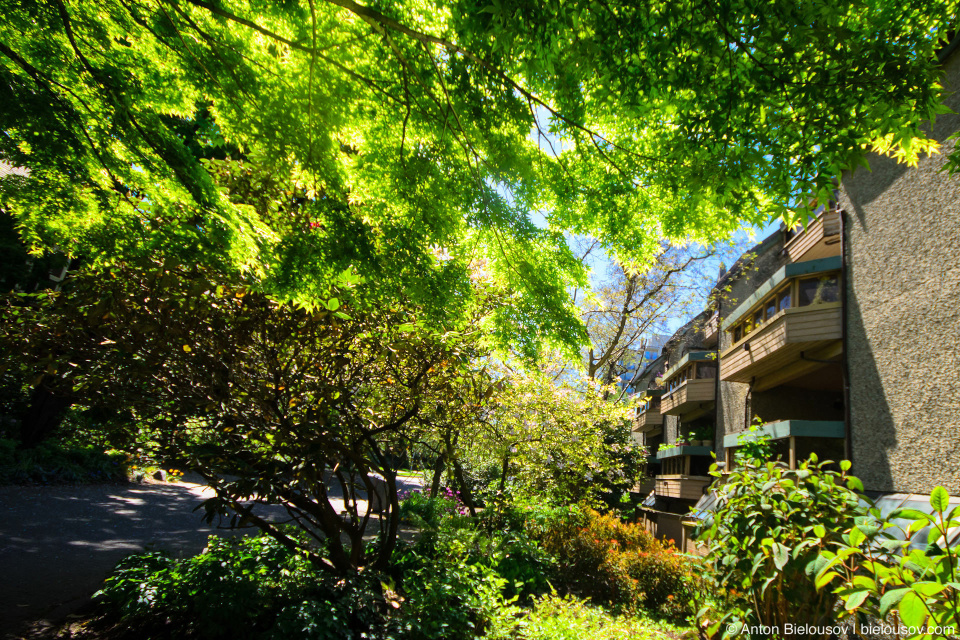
x=270, y=402
x=554, y=438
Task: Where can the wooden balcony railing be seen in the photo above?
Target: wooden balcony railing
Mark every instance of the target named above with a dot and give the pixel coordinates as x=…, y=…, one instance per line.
x=820, y=239
x=689, y=396
x=682, y=487
x=792, y=343
x=649, y=420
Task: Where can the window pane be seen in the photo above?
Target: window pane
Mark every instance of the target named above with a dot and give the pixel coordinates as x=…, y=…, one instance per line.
x=706, y=371
x=783, y=301
x=819, y=290
x=771, y=307
x=737, y=333
x=758, y=318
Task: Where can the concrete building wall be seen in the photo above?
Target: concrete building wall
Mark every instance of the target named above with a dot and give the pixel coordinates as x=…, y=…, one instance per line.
x=903, y=292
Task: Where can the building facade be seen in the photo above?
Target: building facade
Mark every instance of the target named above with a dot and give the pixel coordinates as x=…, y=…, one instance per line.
x=836, y=339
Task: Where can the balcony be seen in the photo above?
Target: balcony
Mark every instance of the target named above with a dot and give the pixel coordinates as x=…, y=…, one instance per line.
x=795, y=439
x=682, y=487
x=691, y=384
x=821, y=239
x=689, y=397
x=669, y=456
x=649, y=419
x=790, y=327
x=684, y=473
x=790, y=344
x=711, y=331
x=644, y=486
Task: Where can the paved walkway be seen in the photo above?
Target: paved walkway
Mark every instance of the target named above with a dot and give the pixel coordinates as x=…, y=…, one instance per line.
x=57, y=544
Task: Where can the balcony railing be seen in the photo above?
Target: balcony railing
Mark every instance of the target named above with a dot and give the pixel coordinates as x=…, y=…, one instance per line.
x=681, y=473
x=645, y=486
x=688, y=397
x=793, y=342
x=683, y=450
x=682, y=487
x=824, y=437
x=820, y=239
x=649, y=420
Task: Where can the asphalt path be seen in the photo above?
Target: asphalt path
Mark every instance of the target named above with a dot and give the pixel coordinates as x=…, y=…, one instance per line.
x=59, y=543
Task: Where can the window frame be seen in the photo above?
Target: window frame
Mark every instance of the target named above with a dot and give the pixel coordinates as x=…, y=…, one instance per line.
x=791, y=287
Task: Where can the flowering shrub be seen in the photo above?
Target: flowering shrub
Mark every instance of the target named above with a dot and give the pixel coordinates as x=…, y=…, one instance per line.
x=426, y=512
x=622, y=565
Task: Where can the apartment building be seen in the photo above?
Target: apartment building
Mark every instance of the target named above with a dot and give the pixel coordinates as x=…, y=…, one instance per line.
x=837, y=339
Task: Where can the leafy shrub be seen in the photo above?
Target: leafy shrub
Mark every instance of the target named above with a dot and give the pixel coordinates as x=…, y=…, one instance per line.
x=877, y=572
x=555, y=618
x=765, y=537
x=621, y=564
x=52, y=463
x=249, y=587
x=498, y=539
x=451, y=595
x=753, y=446
x=427, y=512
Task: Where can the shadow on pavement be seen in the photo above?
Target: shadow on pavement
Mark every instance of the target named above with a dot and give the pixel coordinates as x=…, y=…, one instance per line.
x=58, y=543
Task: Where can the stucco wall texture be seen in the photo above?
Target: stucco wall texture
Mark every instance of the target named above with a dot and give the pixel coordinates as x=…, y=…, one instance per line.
x=903, y=293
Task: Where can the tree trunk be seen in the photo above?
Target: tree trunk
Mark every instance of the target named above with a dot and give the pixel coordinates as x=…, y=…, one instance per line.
x=43, y=416
x=465, y=494
x=437, y=475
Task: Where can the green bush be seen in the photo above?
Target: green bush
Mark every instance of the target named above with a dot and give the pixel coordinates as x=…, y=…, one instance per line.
x=555, y=618
x=249, y=587
x=621, y=565
x=53, y=463
x=459, y=578
x=451, y=595
x=765, y=536
x=461, y=582
x=876, y=572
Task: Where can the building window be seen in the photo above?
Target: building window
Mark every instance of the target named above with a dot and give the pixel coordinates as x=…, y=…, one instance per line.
x=783, y=300
x=770, y=308
x=706, y=371
x=819, y=290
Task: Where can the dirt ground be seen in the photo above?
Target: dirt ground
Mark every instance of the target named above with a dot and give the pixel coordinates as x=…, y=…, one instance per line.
x=58, y=543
